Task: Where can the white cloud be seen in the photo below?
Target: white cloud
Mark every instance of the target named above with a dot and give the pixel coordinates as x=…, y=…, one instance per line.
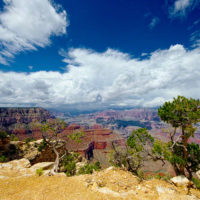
x=154, y=22
x=181, y=7
x=112, y=78
x=27, y=25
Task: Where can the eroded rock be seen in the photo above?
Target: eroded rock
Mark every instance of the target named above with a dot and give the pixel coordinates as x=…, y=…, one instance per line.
x=43, y=165
x=180, y=181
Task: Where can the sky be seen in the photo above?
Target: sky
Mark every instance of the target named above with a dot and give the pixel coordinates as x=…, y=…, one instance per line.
x=85, y=54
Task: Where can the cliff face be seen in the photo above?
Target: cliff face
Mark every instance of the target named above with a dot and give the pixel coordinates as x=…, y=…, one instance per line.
x=17, y=120
x=95, y=143
x=134, y=114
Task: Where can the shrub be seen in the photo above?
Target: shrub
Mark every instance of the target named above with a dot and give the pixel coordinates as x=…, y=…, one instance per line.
x=70, y=168
x=42, y=146
x=28, y=140
x=89, y=168
x=3, y=158
x=132, y=157
x=3, y=135
x=196, y=182
x=69, y=163
x=39, y=171
x=13, y=137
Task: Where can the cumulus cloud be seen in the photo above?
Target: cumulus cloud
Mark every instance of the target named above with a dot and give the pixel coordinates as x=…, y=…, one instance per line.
x=181, y=7
x=27, y=25
x=110, y=78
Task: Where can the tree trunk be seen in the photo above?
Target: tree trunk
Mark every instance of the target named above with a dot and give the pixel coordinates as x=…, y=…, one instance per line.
x=185, y=153
x=56, y=163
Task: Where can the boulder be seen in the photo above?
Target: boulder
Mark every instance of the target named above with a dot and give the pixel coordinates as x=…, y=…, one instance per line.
x=181, y=181
x=43, y=165
x=22, y=163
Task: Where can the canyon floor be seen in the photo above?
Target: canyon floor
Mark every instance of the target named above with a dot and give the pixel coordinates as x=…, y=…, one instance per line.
x=108, y=184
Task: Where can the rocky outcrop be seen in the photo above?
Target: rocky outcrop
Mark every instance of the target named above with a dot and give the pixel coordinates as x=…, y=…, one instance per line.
x=23, y=168
x=180, y=181
x=18, y=120
x=94, y=140
x=110, y=184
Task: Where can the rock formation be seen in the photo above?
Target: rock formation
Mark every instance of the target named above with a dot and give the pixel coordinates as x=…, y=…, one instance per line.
x=18, y=120
x=94, y=143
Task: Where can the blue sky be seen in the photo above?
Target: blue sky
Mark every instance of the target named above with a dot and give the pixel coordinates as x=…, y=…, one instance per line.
x=71, y=52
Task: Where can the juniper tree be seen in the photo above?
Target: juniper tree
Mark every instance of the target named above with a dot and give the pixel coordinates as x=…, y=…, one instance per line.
x=182, y=114
x=134, y=154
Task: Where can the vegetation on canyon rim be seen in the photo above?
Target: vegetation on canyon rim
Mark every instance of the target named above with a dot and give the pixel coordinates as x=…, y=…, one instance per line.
x=181, y=114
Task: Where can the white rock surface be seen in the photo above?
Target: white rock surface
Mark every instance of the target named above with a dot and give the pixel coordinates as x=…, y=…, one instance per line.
x=22, y=163
x=180, y=181
x=43, y=165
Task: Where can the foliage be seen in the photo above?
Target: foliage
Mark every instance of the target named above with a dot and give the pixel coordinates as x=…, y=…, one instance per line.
x=28, y=140
x=39, y=171
x=51, y=133
x=183, y=114
x=193, y=159
x=76, y=135
x=3, y=135
x=132, y=156
x=89, y=168
x=42, y=146
x=3, y=158
x=13, y=137
x=138, y=139
x=69, y=163
x=196, y=182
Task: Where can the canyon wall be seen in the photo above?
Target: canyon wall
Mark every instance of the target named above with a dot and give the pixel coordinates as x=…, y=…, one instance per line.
x=18, y=120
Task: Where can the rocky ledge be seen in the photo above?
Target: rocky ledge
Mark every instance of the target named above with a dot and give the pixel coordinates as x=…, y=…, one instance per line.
x=108, y=184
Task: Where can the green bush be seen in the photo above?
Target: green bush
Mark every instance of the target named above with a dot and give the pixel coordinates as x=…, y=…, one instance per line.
x=28, y=140
x=3, y=158
x=13, y=137
x=196, y=182
x=70, y=168
x=39, y=171
x=89, y=168
x=42, y=146
x=3, y=135
x=69, y=163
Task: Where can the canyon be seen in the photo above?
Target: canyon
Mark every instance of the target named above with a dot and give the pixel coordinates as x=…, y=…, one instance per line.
x=18, y=120
x=101, y=129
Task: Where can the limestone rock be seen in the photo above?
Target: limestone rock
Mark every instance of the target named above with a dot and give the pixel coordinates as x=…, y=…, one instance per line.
x=22, y=163
x=180, y=181
x=43, y=165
